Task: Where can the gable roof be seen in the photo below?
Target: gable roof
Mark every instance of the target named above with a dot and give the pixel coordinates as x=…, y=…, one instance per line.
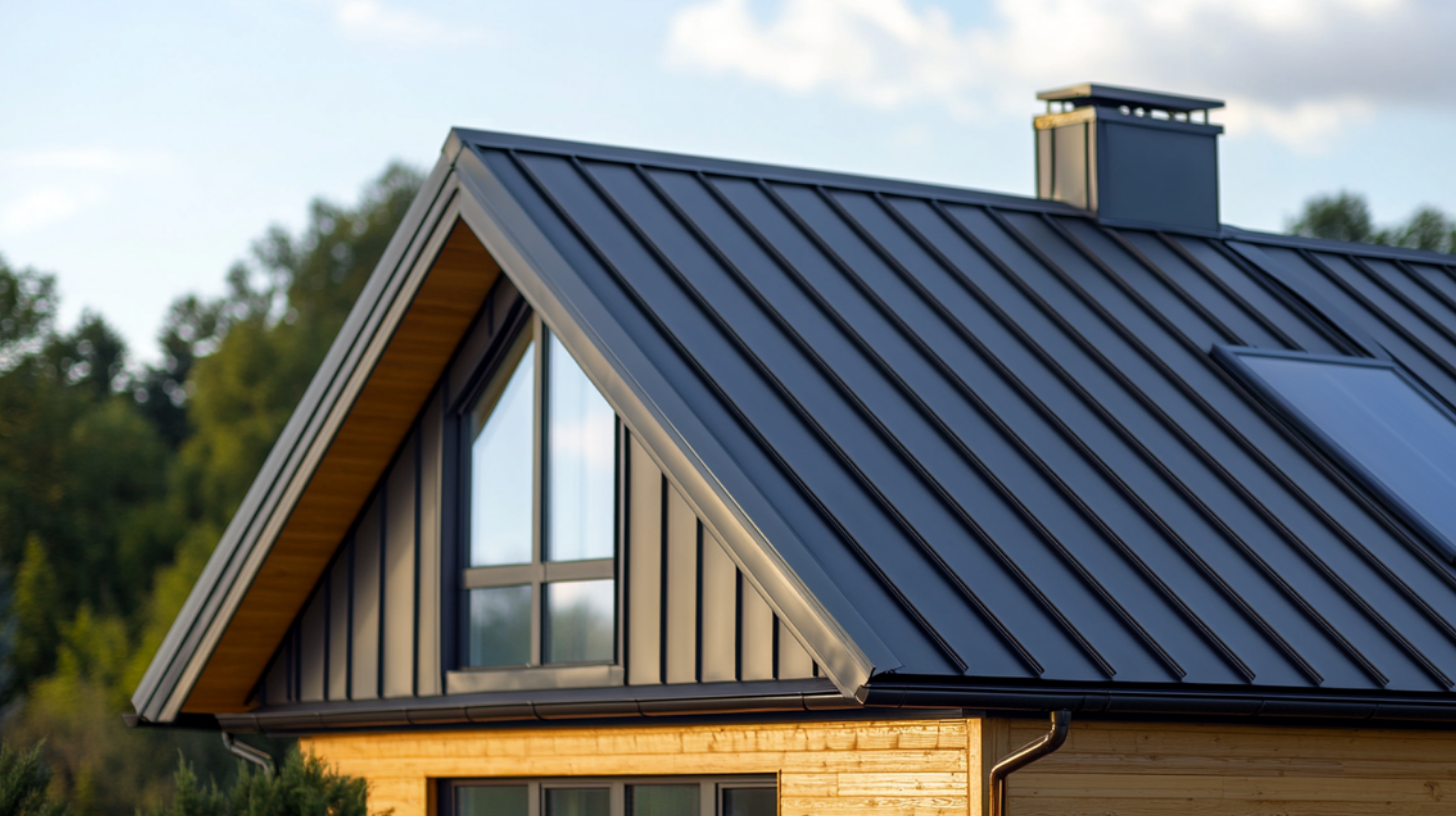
x=974, y=447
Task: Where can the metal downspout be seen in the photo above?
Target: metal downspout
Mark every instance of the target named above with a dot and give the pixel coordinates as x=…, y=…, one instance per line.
x=248, y=753
x=1047, y=744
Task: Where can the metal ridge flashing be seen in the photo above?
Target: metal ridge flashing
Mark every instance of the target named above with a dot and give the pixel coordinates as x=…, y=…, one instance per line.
x=1232, y=233
x=494, y=140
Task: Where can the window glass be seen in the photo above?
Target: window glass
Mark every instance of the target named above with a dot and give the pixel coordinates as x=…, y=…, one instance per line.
x=581, y=464
x=581, y=621
x=578, y=802
x=492, y=800
x=663, y=800
x=500, y=626
x=501, y=471
x=750, y=802
x=1385, y=427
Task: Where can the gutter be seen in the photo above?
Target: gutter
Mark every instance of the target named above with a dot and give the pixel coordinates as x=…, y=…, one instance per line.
x=1186, y=701
x=248, y=753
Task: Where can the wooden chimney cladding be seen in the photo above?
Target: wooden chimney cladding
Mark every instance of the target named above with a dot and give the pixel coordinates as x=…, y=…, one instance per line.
x=372, y=630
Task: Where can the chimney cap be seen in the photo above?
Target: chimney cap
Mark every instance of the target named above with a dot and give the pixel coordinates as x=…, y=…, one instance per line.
x=1090, y=93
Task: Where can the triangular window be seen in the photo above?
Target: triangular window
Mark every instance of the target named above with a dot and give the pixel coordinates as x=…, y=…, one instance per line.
x=540, y=585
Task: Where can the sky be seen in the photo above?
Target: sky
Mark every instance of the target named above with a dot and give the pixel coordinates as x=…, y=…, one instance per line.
x=144, y=146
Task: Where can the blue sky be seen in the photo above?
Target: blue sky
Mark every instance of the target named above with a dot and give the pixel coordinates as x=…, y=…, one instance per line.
x=145, y=145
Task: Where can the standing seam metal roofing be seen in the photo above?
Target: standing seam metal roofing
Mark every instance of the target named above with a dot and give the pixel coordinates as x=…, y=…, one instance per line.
x=998, y=428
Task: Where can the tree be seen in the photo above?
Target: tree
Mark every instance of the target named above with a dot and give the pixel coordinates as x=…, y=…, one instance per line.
x=1345, y=216
x=24, y=780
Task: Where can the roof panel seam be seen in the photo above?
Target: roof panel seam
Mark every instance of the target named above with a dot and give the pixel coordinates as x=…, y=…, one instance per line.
x=1227, y=477
x=890, y=587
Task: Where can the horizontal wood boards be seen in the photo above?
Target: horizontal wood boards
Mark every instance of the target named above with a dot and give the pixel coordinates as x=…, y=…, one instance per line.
x=909, y=767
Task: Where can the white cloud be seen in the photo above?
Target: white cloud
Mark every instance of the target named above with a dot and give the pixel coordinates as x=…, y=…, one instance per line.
x=46, y=206
x=376, y=21
x=1294, y=69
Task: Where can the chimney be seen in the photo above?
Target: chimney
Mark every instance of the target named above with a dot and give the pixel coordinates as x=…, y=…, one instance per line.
x=1134, y=158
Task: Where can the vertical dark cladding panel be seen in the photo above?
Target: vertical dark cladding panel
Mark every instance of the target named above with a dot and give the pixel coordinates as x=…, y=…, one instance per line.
x=275, y=683
x=427, y=634
x=399, y=582
x=756, y=635
x=312, y=637
x=644, y=568
x=364, y=682
x=794, y=663
x=682, y=590
x=339, y=624
x=719, y=632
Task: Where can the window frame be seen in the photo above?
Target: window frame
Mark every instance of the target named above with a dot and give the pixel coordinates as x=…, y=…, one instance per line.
x=1232, y=358
x=710, y=799
x=495, y=370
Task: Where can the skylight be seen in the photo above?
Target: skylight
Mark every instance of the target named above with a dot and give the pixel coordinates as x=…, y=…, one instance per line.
x=1384, y=426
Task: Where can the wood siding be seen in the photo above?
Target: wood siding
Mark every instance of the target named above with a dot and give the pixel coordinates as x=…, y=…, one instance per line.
x=1141, y=769
x=926, y=767
x=909, y=767
x=688, y=614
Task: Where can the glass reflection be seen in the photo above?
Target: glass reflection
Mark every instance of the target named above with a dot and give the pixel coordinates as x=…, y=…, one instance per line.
x=663, y=800
x=501, y=471
x=580, y=625
x=580, y=438
x=578, y=802
x=750, y=801
x=500, y=626
x=492, y=800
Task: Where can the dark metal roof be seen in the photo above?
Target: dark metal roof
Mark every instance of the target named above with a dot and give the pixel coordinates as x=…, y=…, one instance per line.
x=996, y=427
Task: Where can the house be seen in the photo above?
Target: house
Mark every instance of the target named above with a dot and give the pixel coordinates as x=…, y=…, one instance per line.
x=651, y=484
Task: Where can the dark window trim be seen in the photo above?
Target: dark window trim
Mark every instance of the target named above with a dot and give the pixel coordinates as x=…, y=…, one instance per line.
x=1231, y=357
x=711, y=788
x=522, y=326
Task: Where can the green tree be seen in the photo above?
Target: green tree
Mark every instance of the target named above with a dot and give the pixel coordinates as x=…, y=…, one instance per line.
x=304, y=786
x=1345, y=216
x=36, y=611
x=24, y=781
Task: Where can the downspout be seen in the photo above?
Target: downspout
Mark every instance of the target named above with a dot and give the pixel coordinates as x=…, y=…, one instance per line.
x=248, y=753
x=1047, y=744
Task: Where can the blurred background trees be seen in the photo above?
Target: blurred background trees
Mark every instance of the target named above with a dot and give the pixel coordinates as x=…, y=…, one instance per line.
x=1345, y=216
x=116, y=481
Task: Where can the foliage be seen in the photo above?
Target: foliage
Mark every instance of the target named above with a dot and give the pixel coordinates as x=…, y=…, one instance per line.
x=304, y=786
x=24, y=784
x=117, y=482
x=1345, y=216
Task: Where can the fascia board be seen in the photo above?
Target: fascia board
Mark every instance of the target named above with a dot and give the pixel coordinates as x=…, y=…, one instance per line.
x=245, y=543
x=705, y=473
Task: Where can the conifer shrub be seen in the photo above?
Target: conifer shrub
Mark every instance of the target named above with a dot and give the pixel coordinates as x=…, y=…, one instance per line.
x=24, y=784
x=305, y=786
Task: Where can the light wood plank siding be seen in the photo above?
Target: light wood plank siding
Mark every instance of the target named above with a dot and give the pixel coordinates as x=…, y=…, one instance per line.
x=925, y=767
x=915, y=767
x=1142, y=769
x=689, y=615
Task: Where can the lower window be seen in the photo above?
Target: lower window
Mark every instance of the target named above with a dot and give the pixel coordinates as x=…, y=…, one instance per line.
x=656, y=796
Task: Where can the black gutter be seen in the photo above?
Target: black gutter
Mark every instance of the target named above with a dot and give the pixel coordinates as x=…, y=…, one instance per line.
x=1190, y=702
x=445, y=711
x=1043, y=746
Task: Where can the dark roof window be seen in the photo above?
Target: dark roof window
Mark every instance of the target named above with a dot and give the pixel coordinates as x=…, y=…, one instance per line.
x=1391, y=432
